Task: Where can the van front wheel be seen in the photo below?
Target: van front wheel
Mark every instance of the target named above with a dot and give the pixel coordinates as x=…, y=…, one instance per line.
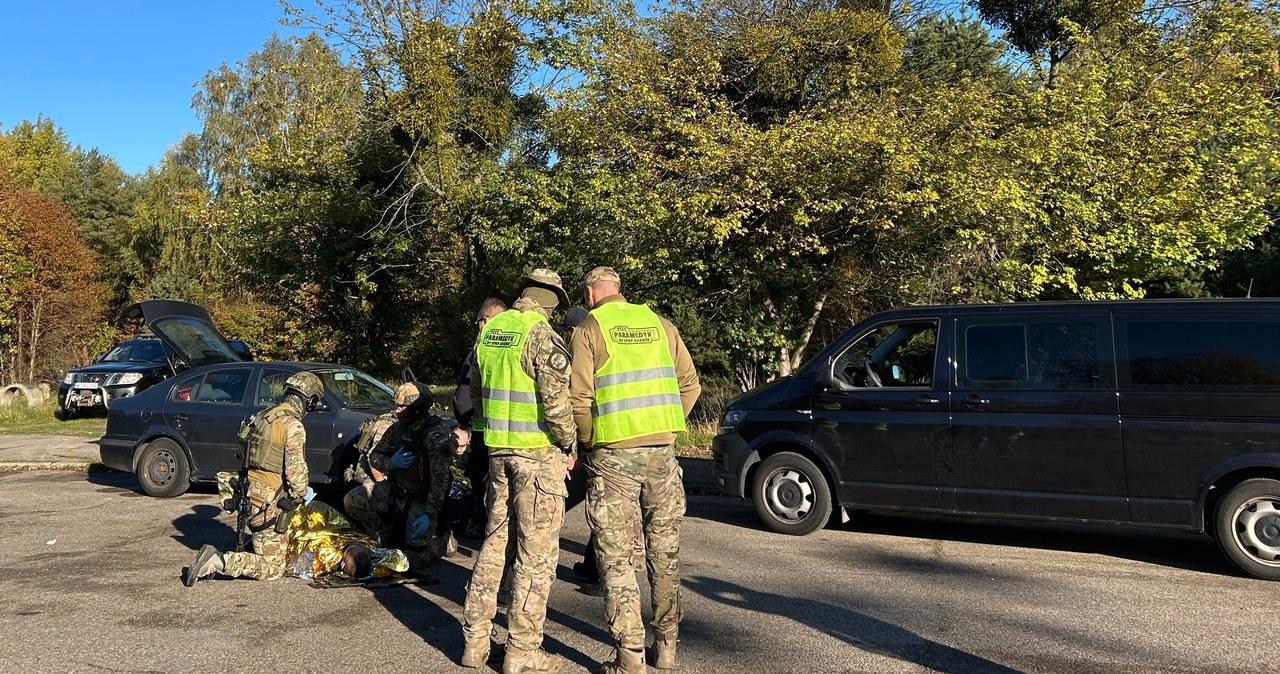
x=791, y=494
x=1248, y=526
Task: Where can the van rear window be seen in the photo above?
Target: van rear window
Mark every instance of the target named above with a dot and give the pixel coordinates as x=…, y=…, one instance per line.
x=1202, y=352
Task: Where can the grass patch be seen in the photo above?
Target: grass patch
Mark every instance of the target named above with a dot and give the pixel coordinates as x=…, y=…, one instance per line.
x=696, y=442
x=17, y=418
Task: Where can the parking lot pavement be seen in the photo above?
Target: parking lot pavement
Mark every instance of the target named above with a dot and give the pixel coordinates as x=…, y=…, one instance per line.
x=56, y=452
x=90, y=580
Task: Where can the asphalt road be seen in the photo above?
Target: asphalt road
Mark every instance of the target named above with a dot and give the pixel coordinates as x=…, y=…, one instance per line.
x=90, y=581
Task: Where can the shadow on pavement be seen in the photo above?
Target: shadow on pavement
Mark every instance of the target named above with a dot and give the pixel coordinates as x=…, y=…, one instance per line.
x=204, y=524
x=1192, y=552
x=1189, y=551
x=853, y=628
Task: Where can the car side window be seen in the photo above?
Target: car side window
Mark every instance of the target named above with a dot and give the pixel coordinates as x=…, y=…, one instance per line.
x=895, y=355
x=224, y=387
x=271, y=387
x=185, y=389
x=1052, y=352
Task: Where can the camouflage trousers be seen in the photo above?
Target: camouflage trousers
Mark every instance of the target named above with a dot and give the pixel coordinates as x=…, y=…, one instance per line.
x=626, y=484
x=266, y=562
x=367, y=503
x=525, y=500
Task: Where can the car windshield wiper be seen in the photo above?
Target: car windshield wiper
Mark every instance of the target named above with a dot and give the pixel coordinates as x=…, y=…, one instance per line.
x=359, y=406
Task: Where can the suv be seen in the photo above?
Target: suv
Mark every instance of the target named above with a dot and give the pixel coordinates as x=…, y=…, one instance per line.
x=1156, y=413
x=127, y=369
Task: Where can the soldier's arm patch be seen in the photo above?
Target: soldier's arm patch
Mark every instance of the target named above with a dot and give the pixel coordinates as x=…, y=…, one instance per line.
x=559, y=360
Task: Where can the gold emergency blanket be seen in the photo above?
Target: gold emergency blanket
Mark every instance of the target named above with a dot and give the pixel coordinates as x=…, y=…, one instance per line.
x=317, y=536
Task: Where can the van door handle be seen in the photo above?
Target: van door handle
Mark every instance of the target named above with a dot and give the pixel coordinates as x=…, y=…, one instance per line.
x=925, y=399
x=974, y=401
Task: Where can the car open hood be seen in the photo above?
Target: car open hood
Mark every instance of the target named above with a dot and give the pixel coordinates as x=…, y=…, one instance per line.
x=187, y=329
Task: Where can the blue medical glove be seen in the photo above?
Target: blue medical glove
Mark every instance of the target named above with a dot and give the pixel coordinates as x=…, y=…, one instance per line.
x=309, y=496
x=419, y=530
x=403, y=459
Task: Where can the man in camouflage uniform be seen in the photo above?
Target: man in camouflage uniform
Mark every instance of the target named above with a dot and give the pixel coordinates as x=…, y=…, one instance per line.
x=521, y=388
x=415, y=454
x=371, y=432
x=633, y=385
x=278, y=478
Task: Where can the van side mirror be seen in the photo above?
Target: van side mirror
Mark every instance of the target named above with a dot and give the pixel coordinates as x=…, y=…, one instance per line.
x=823, y=381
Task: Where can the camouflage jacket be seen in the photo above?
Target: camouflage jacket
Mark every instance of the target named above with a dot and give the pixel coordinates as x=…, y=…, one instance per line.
x=545, y=359
x=296, y=475
x=430, y=438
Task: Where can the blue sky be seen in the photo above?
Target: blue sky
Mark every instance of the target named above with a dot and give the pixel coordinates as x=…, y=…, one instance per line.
x=119, y=76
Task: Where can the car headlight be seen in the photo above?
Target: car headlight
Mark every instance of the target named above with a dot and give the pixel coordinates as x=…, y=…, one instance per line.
x=70, y=378
x=128, y=378
x=729, y=422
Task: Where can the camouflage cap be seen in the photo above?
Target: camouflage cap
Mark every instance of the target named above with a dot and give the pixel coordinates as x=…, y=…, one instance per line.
x=544, y=278
x=407, y=393
x=602, y=274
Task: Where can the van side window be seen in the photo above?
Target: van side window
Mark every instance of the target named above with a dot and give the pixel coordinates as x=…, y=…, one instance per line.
x=1201, y=352
x=1035, y=353
x=900, y=355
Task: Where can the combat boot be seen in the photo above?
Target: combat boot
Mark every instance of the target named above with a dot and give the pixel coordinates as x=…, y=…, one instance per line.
x=208, y=562
x=664, y=652
x=536, y=661
x=626, y=661
x=476, y=652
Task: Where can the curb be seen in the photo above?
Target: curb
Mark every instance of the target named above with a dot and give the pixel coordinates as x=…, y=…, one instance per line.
x=75, y=467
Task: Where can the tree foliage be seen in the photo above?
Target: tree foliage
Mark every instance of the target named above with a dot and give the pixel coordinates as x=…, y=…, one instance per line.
x=766, y=173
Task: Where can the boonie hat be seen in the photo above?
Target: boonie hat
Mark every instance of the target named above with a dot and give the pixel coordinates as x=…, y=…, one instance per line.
x=544, y=278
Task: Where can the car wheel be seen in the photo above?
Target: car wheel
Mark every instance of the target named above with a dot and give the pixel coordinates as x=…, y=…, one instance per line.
x=791, y=494
x=1248, y=527
x=163, y=470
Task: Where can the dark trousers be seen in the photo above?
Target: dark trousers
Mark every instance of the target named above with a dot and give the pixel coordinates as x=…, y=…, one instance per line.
x=476, y=472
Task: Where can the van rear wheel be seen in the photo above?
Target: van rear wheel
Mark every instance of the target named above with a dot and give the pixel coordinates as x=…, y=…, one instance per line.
x=791, y=494
x=1248, y=526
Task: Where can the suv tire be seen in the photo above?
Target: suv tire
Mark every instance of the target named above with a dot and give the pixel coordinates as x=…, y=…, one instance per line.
x=1248, y=526
x=791, y=494
x=163, y=470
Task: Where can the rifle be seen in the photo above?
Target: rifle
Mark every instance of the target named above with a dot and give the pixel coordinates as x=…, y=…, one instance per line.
x=243, y=506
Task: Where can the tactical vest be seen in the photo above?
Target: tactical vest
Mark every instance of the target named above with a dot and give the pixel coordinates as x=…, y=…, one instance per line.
x=267, y=439
x=513, y=414
x=637, y=392
x=368, y=438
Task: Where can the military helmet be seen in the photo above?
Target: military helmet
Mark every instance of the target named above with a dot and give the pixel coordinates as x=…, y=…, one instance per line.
x=306, y=384
x=406, y=393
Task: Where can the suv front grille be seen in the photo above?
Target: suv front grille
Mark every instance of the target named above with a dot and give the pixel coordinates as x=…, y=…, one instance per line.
x=92, y=377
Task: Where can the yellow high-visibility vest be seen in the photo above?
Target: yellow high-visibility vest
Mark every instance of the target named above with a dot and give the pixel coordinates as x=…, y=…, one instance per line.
x=637, y=392
x=513, y=414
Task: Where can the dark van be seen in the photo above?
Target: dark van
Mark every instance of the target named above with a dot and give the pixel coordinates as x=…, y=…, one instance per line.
x=1158, y=413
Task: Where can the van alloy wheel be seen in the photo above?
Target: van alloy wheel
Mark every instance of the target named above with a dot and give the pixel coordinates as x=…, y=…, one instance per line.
x=1247, y=521
x=1257, y=529
x=791, y=494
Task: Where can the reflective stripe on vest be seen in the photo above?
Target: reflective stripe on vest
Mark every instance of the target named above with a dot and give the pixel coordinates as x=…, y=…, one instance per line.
x=513, y=414
x=637, y=393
